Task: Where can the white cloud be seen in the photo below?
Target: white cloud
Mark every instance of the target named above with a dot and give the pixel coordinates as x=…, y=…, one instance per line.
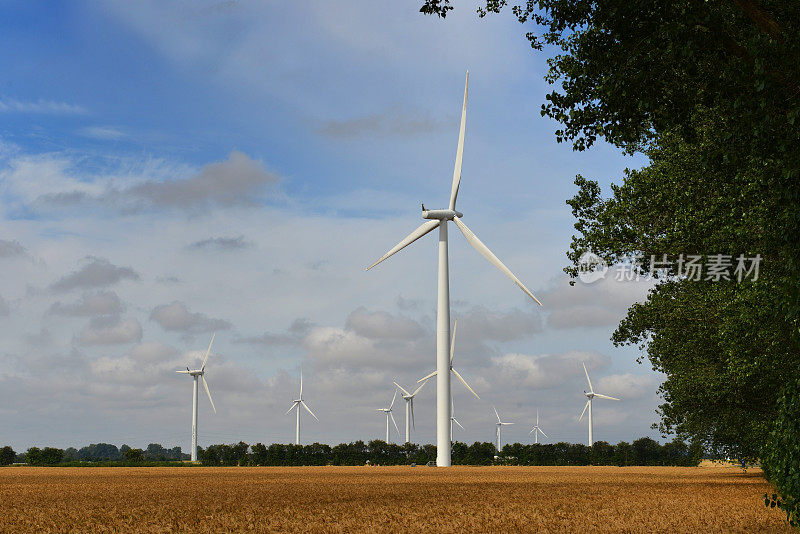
x=96, y=272
x=627, y=386
x=237, y=181
x=112, y=331
x=10, y=248
x=106, y=133
x=602, y=303
x=220, y=244
x=90, y=304
x=177, y=317
x=394, y=122
x=48, y=107
x=546, y=370
x=382, y=325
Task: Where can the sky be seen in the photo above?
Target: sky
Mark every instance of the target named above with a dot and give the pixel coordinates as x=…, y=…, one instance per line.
x=173, y=169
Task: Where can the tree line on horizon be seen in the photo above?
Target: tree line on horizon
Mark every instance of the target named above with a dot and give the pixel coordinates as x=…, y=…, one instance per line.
x=643, y=451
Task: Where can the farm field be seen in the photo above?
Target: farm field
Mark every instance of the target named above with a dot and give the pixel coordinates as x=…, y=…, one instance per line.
x=396, y=499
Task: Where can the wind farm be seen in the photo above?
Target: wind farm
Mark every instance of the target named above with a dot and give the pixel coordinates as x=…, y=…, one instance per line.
x=278, y=183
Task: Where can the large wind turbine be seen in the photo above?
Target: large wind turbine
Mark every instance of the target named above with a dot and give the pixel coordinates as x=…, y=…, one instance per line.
x=452, y=369
x=388, y=412
x=499, y=425
x=453, y=419
x=591, y=395
x=198, y=373
x=409, y=398
x=537, y=429
x=296, y=405
x=438, y=219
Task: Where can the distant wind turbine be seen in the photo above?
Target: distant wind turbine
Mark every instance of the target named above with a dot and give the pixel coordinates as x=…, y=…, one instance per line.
x=296, y=405
x=452, y=369
x=409, y=398
x=388, y=412
x=195, y=374
x=536, y=429
x=591, y=395
x=439, y=219
x=499, y=424
x=453, y=419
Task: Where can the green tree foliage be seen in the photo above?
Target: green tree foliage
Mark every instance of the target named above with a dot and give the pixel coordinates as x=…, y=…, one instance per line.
x=133, y=455
x=781, y=461
x=7, y=455
x=46, y=456
x=97, y=452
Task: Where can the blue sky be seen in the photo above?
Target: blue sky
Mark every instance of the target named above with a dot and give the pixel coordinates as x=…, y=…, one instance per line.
x=170, y=169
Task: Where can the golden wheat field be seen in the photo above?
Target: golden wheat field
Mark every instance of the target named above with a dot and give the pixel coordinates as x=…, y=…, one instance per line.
x=385, y=499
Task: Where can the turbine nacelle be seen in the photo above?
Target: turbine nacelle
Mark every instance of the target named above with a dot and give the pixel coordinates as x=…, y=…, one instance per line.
x=442, y=215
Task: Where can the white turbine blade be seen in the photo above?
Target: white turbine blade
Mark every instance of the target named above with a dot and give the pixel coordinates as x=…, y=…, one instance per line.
x=459, y=424
x=393, y=399
x=587, y=377
x=507, y=423
x=532, y=429
x=605, y=397
x=394, y=423
x=291, y=408
x=478, y=245
x=301, y=382
x=309, y=410
x=205, y=385
x=402, y=389
x=458, y=375
x=413, y=424
x=584, y=410
x=419, y=388
x=184, y=372
x=460, y=150
x=497, y=414
x=453, y=343
x=542, y=431
x=424, y=378
x=537, y=416
x=410, y=238
x=208, y=352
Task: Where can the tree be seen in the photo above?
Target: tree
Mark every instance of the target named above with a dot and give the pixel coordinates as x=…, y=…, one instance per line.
x=97, y=452
x=133, y=455
x=46, y=456
x=155, y=452
x=646, y=451
x=781, y=461
x=7, y=455
x=71, y=454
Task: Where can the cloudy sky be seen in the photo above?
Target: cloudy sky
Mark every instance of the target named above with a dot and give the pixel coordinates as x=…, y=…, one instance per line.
x=173, y=169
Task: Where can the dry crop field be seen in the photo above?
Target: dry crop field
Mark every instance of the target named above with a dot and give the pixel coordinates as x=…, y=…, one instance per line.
x=389, y=499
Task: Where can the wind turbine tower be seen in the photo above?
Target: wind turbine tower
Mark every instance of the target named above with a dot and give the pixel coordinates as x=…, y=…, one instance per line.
x=296, y=406
x=590, y=396
x=536, y=429
x=388, y=412
x=499, y=425
x=198, y=374
x=409, y=398
x=439, y=219
x=453, y=419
